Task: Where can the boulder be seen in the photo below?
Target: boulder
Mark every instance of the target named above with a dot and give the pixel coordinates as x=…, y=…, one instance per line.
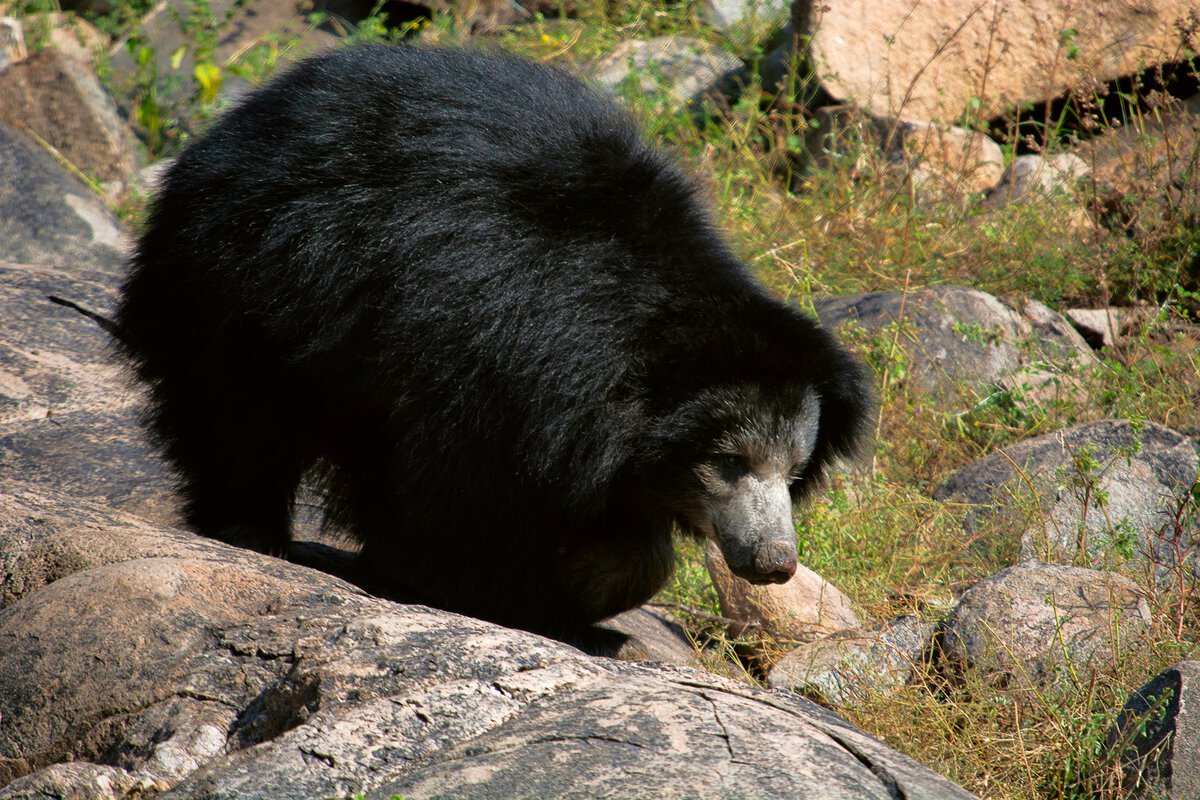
x=50, y=218
x=654, y=636
x=1156, y=737
x=57, y=99
x=846, y=668
x=950, y=336
x=140, y=656
x=688, y=69
x=805, y=608
x=939, y=59
x=1109, y=485
x=1032, y=621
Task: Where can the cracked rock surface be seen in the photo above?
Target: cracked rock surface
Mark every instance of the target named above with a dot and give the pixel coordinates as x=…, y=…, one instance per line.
x=135, y=659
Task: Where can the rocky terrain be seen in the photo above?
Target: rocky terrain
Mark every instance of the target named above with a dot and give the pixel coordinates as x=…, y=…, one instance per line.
x=137, y=660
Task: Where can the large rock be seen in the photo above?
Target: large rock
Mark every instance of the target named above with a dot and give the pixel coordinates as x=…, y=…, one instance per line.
x=1157, y=736
x=161, y=659
x=1107, y=484
x=54, y=97
x=50, y=218
x=936, y=59
x=1028, y=622
x=951, y=336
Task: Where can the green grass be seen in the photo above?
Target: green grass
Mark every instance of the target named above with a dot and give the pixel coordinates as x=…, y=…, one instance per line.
x=849, y=223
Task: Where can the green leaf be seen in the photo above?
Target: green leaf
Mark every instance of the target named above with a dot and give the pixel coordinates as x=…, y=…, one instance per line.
x=209, y=77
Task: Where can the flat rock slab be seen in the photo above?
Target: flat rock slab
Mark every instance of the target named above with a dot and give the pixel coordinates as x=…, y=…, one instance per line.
x=52, y=359
x=50, y=218
x=97, y=454
x=207, y=671
x=1048, y=489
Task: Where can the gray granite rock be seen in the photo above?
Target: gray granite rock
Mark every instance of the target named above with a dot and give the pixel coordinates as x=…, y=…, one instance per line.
x=50, y=218
x=689, y=69
x=1027, y=623
x=846, y=668
x=1157, y=736
x=1108, y=485
x=955, y=338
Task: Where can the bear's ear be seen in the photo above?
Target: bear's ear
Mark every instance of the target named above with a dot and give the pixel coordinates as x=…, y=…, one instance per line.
x=847, y=400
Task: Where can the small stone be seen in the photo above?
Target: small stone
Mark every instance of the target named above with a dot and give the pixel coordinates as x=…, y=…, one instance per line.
x=724, y=14
x=654, y=636
x=805, y=608
x=849, y=667
x=12, y=42
x=76, y=38
x=1100, y=327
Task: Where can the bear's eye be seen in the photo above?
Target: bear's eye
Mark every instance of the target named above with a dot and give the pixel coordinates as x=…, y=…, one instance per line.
x=731, y=465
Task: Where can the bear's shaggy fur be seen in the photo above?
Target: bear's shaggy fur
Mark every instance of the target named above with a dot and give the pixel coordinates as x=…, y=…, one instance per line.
x=462, y=290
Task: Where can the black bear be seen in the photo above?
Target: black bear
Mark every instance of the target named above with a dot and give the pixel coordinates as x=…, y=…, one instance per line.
x=498, y=328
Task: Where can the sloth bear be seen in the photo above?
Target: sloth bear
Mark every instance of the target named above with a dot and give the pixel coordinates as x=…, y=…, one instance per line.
x=498, y=328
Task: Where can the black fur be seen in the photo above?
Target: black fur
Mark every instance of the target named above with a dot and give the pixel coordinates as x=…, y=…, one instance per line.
x=499, y=324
